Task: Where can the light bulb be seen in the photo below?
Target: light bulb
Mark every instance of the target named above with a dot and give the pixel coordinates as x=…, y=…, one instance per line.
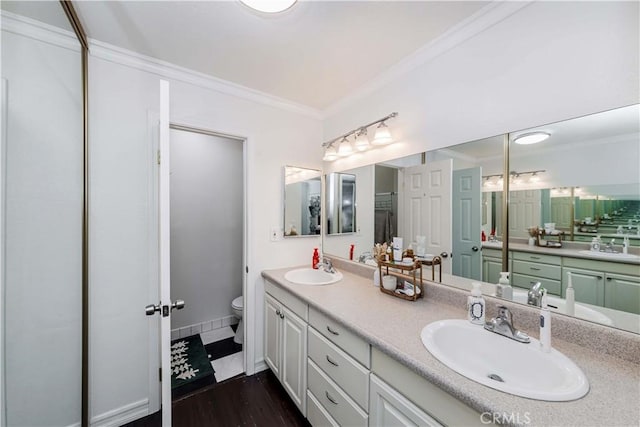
x=382, y=135
x=269, y=6
x=345, y=148
x=362, y=141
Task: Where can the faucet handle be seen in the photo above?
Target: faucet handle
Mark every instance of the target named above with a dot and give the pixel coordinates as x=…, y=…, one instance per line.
x=504, y=313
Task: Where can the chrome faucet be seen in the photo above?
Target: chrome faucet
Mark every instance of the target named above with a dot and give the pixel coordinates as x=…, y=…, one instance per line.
x=502, y=324
x=534, y=296
x=327, y=265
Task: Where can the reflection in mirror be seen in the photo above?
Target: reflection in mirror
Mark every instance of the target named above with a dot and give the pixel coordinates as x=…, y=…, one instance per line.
x=341, y=202
x=302, y=201
x=584, y=179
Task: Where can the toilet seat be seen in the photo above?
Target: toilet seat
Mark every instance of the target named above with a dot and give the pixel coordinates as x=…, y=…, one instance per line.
x=237, y=303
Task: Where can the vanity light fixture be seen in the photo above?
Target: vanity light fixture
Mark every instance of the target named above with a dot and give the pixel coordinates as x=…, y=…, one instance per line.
x=531, y=138
x=342, y=147
x=516, y=178
x=269, y=6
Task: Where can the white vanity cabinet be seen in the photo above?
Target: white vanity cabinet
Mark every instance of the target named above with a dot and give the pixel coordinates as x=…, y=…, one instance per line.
x=338, y=374
x=400, y=397
x=285, y=344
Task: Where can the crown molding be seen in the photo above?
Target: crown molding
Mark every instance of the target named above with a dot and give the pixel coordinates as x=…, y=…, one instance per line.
x=168, y=70
x=483, y=19
x=40, y=31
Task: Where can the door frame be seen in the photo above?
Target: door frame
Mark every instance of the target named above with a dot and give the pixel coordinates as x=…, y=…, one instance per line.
x=155, y=396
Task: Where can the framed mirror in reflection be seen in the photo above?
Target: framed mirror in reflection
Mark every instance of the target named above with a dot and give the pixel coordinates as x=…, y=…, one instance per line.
x=582, y=181
x=302, y=201
x=341, y=203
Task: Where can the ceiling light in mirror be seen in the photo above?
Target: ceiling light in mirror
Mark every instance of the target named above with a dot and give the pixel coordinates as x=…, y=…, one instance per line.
x=269, y=6
x=382, y=135
x=531, y=138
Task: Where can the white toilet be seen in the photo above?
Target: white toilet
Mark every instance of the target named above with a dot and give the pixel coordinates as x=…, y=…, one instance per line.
x=237, y=305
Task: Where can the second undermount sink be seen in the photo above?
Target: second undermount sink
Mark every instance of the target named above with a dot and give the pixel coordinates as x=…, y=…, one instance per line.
x=611, y=255
x=504, y=364
x=310, y=276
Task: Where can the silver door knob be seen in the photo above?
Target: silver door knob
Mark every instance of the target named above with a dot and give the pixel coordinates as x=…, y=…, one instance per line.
x=151, y=309
x=444, y=254
x=474, y=249
x=177, y=304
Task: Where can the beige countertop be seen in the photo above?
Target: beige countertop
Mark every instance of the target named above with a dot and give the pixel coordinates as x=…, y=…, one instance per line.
x=393, y=325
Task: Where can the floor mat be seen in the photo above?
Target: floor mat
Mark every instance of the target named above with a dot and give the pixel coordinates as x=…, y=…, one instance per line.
x=190, y=366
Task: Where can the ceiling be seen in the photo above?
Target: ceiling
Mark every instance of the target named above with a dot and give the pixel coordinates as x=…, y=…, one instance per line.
x=313, y=54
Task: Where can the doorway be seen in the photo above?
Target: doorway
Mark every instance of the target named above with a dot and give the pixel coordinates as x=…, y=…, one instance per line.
x=207, y=235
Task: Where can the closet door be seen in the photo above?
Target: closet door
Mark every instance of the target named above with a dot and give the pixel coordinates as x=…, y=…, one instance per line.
x=42, y=209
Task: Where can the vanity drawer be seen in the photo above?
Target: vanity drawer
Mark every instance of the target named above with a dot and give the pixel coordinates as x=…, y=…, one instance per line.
x=340, y=367
x=337, y=403
x=293, y=303
x=524, y=281
x=537, y=258
x=316, y=414
x=339, y=335
x=538, y=270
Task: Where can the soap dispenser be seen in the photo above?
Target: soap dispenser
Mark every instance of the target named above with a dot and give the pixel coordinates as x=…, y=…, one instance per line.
x=503, y=288
x=476, y=305
x=316, y=259
x=570, y=297
x=625, y=245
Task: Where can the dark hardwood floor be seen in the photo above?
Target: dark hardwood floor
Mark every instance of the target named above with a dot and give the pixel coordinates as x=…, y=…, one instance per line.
x=258, y=400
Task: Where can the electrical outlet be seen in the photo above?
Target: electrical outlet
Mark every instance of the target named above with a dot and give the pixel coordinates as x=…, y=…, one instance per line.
x=275, y=234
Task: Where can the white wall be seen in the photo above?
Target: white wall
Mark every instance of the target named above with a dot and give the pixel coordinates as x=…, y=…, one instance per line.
x=42, y=221
x=207, y=227
x=549, y=61
x=123, y=264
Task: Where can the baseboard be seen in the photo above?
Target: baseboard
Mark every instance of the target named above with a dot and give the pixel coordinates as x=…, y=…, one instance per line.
x=122, y=415
x=206, y=326
x=260, y=366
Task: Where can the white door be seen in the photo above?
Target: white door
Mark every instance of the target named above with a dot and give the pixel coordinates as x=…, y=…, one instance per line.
x=165, y=306
x=466, y=196
x=427, y=208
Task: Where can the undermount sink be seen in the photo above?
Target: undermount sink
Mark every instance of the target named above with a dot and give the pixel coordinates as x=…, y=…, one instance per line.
x=611, y=255
x=310, y=276
x=559, y=305
x=504, y=364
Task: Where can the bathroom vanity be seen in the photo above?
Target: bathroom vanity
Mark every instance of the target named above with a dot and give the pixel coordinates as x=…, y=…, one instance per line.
x=599, y=279
x=385, y=375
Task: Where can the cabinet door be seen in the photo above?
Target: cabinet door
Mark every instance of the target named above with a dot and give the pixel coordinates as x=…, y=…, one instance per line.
x=622, y=292
x=272, y=328
x=491, y=269
x=294, y=358
x=387, y=407
x=588, y=285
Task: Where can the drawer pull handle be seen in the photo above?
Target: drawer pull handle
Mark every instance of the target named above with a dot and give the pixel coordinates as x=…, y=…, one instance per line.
x=534, y=257
x=534, y=269
x=331, y=361
x=282, y=315
x=332, y=331
x=278, y=312
x=331, y=399
x=609, y=279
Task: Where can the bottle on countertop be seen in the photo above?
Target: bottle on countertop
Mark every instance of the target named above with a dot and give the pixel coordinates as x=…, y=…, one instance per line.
x=483, y=236
x=476, y=305
x=545, y=324
x=316, y=259
x=570, y=297
x=351, y=252
x=503, y=288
